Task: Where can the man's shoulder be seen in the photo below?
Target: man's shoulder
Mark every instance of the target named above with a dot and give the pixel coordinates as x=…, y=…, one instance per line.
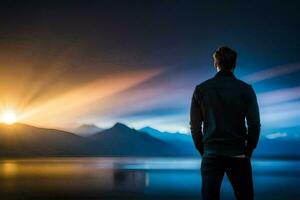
x=243, y=84
x=210, y=82
x=205, y=83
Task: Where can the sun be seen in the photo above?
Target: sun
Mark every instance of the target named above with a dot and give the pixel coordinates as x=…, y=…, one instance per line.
x=9, y=117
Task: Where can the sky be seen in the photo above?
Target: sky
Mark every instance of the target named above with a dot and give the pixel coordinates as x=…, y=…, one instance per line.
x=65, y=63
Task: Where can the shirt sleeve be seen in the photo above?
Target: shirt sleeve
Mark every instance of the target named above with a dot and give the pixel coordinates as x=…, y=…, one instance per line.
x=196, y=120
x=253, y=121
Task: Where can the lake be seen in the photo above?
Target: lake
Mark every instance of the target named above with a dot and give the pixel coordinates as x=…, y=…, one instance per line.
x=134, y=178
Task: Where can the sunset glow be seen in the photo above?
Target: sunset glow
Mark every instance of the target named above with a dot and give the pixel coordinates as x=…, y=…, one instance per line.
x=50, y=102
x=67, y=67
x=9, y=117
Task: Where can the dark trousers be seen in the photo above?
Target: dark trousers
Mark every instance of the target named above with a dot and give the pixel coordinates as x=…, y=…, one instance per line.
x=239, y=173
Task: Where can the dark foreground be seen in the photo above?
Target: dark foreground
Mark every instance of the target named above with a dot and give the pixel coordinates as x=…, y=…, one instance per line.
x=130, y=178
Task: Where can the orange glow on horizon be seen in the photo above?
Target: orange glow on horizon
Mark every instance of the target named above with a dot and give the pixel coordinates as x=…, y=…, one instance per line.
x=40, y=103
x=8, y=117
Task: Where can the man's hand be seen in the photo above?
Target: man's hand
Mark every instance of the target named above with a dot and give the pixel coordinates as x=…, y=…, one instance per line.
x=241, y=156
x=248, y=152
x=200, y=149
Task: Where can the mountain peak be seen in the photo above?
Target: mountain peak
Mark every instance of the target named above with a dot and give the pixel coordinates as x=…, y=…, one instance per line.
x=120, y=125
x=149, y=128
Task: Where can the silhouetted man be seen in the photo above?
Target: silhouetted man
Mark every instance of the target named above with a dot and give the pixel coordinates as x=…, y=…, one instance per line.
x=219, y=109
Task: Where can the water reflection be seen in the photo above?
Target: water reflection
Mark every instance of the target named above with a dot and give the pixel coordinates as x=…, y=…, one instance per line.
x=119, y=178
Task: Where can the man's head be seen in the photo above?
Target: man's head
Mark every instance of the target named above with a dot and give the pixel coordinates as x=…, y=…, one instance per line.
x=225, y=58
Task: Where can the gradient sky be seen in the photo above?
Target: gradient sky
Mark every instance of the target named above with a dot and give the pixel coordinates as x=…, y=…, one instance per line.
x=64, y=63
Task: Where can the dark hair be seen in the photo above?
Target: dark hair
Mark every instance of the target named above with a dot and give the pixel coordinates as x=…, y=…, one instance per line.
x=225, y=58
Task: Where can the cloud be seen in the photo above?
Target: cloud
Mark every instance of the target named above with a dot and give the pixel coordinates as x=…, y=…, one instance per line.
x=279, y=96
x=156, y=112
x=276, y=135
x=272, y=73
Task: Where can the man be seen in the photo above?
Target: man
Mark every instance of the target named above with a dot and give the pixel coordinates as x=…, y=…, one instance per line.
x=219, y=109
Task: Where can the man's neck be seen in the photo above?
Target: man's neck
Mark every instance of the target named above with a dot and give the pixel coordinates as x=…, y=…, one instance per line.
x=218, y=69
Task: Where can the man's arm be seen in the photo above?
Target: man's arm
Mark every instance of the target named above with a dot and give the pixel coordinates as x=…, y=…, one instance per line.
x=253, y=123
x=196, y=122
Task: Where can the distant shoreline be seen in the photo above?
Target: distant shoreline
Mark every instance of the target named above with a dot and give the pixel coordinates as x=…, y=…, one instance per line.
x=140, y=157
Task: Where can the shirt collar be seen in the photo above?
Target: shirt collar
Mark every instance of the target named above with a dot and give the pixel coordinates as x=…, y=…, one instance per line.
x=224, y=73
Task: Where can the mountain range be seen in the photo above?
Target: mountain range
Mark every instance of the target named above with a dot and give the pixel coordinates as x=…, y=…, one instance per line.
x=21, y=140
x=25, y=140
x=124, y=141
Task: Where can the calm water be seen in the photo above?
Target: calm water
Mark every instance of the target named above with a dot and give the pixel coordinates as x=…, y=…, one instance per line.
x=128, y=178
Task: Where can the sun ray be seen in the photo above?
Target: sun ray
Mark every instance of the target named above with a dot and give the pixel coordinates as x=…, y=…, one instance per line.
x=64, y=108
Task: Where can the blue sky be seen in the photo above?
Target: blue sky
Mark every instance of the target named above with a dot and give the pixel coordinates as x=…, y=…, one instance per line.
x=66, y=63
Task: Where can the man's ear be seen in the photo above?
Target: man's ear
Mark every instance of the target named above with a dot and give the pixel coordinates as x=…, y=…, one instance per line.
x=215, y=64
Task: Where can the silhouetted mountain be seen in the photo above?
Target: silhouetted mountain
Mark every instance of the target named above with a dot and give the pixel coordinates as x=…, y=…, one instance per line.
x=279, y=142
x=279, y=147
x=168, y=136
x=86, y=130
x=273, y=142
x=182, y=142
x=25, y=140
x=121, y=140
x=289, y=133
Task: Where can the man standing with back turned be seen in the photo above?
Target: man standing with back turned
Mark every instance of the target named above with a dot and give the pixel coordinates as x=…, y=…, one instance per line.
x=219, y=109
